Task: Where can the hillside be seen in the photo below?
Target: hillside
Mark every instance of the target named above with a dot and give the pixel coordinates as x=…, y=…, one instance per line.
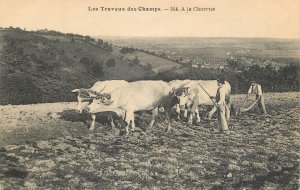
x=45, y=66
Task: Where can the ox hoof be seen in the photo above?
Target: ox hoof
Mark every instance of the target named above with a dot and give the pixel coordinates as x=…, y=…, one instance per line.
x=184, y=120
x=213, y=130
x=91, y=128
x=198, y=123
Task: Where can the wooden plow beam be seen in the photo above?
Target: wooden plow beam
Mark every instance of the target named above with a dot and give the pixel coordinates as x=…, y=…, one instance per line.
x=241, y=110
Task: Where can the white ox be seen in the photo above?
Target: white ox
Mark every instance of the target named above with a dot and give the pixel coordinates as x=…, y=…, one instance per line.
x=192, y=94
x=176, y=84
x=135, y=96
x=86, y=96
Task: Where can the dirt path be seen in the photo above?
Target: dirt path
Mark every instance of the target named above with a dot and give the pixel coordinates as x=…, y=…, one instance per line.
x=48, y=146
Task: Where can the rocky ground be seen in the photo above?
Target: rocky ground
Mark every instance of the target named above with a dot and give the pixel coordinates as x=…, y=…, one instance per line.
x=48, y=146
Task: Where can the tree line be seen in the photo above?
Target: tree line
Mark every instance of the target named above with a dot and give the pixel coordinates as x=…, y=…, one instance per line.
x=272, y=79
x=38, y=78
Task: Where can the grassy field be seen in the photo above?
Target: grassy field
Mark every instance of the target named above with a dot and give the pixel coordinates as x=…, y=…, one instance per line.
x=48, y=146
x=157, y=64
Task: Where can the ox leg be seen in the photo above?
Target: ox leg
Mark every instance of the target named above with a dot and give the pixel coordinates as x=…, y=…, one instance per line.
x=93, y=122
x=168, y=119
x=177, y=109
x=132, y=122
x=185, y=113
x=112, y=124
x=190, y=121
x=227, y=107
x=211, y=112
x=153, y=117
x=128, y=120
x=178, y=112
x=197, y=116
x=127, y=124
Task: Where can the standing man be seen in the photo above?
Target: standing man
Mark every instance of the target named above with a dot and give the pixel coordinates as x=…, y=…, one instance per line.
x=256, y=89
x=221, y=105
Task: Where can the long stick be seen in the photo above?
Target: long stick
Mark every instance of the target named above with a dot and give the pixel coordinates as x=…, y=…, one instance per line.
x=208, y=95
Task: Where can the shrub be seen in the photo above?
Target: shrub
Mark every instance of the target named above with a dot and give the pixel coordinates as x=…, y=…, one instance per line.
x=125, y=50
x=110, y=63
x=85, y=61
x=18, y=88
x=135, y=60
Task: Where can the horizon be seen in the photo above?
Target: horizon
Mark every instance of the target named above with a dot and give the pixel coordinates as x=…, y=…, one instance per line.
x=206, y=37
x=121, y=36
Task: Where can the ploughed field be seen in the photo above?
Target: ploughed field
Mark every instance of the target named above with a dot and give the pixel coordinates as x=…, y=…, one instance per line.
x=48, y=146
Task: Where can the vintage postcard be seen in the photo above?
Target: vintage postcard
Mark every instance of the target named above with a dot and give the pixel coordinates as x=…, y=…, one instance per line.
x=140, y=94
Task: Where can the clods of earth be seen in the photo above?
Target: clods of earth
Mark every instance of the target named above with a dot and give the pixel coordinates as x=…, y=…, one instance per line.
x=49, y=146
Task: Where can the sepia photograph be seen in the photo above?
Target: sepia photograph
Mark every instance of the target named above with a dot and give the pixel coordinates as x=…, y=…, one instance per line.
x=149, y=95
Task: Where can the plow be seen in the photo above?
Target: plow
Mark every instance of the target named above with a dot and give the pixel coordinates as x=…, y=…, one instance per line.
x=242, y=109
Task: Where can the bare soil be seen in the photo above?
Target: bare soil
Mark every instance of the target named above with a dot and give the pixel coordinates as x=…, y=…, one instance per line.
x=49, y=146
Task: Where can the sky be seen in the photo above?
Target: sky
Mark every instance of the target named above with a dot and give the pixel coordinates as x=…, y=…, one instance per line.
x=231, y=18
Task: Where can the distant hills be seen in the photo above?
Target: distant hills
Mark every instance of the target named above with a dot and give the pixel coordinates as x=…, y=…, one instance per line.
x=213, y=52
x=45, y=65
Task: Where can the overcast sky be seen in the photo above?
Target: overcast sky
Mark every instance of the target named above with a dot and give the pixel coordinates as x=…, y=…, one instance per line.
x=231, y=18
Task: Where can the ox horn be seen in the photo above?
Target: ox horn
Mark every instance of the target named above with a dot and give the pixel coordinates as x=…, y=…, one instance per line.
x=186, y=89
x=76, y=90
x=175, y=93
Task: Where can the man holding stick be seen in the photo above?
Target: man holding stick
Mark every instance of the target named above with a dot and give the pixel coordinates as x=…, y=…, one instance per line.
x=256, y=89
x=221, y=105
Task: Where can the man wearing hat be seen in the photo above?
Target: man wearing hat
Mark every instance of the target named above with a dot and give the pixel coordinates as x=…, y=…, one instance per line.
x=220, y=103
x=256, y=89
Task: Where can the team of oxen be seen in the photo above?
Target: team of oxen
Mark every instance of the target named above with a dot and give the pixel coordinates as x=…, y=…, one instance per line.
x=125, y=98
